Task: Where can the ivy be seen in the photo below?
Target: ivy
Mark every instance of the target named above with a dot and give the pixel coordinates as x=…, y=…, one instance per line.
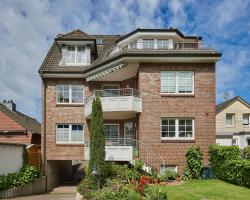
x=97, y=141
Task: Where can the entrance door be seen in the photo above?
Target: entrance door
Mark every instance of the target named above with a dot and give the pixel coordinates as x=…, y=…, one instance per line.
x=128, y=132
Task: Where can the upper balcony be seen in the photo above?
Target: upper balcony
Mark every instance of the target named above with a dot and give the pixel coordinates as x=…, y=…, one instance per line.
x=116, y=103
x=163, y=47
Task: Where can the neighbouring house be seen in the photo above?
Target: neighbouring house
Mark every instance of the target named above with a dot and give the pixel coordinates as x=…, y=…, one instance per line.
x=16, y=127
x=12, y=157
x=157, y=88
x=233, y=122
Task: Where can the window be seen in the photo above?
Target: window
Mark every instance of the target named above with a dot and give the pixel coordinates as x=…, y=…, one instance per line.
x=162, y=44
x=248, y=142
x=230, y=119
x=177, y=82
x=234, y=142
x=163, y=168
x=75, y=55
x=111, y=131
x=98, y=40
x=148, y=44
x=69, y=133
x=177, y=128
x=246, y=118
x=70, y=93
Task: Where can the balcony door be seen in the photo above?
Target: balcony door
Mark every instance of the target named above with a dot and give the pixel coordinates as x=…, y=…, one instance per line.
x=110, y=90
x=129, y=132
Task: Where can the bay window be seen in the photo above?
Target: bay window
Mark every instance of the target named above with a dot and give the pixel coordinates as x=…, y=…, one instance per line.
x=69, y=133
x=177, y=82
x=70, y=94
x=173, y=128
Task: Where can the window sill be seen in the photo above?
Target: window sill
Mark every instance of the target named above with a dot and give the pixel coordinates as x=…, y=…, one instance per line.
x=177, y=140
x=177, y=95
x=70, y=104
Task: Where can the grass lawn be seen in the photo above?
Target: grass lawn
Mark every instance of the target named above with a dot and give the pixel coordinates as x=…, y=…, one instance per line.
x=206, y=190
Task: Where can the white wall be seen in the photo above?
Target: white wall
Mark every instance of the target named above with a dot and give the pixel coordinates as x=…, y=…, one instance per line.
x=11, y=158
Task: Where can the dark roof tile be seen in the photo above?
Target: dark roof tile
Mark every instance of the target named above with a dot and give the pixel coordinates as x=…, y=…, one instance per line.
x=27, y=122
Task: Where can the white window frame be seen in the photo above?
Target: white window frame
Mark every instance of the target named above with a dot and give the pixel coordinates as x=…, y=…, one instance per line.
x=118, y=129
x=147, y=43
x=233, y=118
x=76, y=49
x=177, y=83
x=70, y=134
x=70, y=95
x=163, y=168
x=177, y=129
x=248, y=119
x=157, y=44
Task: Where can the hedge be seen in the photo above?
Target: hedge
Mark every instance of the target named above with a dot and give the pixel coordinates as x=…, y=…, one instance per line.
x=228, y=165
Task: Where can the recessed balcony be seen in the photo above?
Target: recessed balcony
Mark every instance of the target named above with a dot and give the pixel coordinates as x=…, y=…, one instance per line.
x=116, y=103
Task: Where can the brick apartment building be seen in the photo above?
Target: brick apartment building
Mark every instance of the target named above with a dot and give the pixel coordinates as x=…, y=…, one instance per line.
x=16, y=127
x=157, y=88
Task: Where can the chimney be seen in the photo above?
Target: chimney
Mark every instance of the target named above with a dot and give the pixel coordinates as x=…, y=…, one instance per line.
x=9, y=104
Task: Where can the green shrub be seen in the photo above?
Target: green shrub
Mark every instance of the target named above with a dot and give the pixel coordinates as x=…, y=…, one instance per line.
x=228, y=165
x=236, y=172
x=116, y=190
x=168, y=175
x=155, y=194
x=138, y=165
x=194, y=163
x=86, y=186
x=119, y=171
x=11, y=180
x=246, y=153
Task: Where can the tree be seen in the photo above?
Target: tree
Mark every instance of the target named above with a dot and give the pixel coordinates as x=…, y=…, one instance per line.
x=226, y=96
x=97, y=140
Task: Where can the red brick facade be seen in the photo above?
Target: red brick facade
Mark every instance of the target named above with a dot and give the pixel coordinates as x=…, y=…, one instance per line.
x=200, y=106
x=16, y=134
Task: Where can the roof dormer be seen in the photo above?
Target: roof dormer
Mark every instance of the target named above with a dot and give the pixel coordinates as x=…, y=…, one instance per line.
x=77, y=48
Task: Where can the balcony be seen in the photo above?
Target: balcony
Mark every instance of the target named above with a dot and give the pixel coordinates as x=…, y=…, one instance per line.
x=128, y=149
x=116, y=103
x=116, y=150
x=154, y=47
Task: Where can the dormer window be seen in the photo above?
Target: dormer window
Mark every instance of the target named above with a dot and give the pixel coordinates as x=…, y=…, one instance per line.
x=75, y=55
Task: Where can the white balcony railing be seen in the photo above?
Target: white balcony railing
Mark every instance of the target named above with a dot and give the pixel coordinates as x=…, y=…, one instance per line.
x=123, y=100
x=175, y=47
x=128, y=149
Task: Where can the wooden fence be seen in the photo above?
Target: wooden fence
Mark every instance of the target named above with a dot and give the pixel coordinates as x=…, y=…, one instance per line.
x=37, y=186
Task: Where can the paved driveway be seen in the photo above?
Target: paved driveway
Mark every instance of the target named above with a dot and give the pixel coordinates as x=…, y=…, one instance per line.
x=60, y=193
